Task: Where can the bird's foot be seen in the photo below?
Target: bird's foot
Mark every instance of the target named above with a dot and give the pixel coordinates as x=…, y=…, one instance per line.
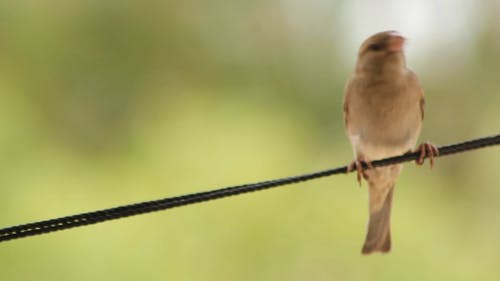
x=427, y=150
x=358, y=165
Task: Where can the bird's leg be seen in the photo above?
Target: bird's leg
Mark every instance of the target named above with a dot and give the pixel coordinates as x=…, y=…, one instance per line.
x=428, y=150
x=358, y=165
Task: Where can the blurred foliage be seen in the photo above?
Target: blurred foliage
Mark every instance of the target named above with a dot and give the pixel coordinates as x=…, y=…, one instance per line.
x=106, y=103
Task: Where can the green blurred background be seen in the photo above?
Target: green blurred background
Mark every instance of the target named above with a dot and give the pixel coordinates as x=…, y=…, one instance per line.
x=104, y=103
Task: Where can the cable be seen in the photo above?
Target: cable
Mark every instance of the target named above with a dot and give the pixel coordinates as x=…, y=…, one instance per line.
x=41, y=227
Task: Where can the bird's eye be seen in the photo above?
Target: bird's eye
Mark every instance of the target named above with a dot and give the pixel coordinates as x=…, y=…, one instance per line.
x=375, y=47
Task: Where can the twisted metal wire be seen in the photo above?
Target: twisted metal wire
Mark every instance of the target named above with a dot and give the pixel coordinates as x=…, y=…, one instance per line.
x=41, y=227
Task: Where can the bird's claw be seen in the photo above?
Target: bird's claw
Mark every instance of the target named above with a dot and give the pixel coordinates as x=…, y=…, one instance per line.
x=358, y=165
x=428, y=150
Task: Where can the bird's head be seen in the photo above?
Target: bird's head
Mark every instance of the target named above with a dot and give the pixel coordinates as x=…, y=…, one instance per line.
x=382, y=53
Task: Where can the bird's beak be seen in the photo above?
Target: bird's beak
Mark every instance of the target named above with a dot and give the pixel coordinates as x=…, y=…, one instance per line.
x=396, y=42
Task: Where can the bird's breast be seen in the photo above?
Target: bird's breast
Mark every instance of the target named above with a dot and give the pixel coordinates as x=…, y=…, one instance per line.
x=387, y=122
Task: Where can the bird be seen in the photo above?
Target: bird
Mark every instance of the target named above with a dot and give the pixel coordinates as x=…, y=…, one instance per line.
x=383, y=113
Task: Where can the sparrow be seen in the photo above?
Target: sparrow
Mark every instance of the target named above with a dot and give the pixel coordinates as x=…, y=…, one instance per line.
x=383, y=113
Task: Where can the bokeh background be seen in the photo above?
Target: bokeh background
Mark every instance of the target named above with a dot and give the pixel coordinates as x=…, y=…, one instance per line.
x=104, y=103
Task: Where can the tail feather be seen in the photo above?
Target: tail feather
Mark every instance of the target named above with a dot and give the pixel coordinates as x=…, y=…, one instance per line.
x=378, y=237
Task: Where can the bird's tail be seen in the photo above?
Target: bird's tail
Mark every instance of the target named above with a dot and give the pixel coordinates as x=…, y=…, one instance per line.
x=378, y=237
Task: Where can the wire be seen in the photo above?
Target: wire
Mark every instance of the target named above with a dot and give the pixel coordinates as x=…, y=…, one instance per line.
x=41, y=227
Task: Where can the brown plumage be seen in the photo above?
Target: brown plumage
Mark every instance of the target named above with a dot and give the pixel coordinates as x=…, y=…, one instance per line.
x=383, y=113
